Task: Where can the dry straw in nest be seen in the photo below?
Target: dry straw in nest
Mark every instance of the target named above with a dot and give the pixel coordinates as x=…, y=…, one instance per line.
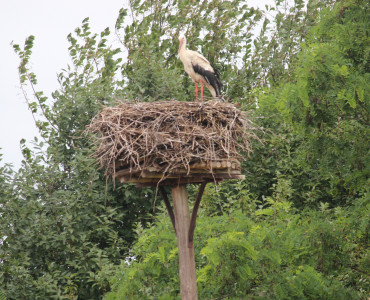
x=169, y=135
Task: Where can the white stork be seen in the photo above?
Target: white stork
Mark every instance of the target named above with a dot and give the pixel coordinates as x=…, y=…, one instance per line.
x=200, y=70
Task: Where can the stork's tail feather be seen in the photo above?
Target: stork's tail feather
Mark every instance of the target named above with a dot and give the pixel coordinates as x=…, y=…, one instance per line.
x=213, y=78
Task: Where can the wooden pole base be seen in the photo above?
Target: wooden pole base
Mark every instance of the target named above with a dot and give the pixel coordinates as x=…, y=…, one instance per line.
x=188, y=281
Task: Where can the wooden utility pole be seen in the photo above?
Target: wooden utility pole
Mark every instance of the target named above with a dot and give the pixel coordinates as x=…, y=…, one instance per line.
x=188, y=282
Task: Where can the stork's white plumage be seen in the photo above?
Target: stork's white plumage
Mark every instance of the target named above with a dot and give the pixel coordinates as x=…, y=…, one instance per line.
x=200, y=70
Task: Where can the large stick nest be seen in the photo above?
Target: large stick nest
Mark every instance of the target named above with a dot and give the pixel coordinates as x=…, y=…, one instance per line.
x=169, y=135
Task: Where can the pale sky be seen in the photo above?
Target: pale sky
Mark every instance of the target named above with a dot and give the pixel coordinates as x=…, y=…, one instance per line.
x=50, y=21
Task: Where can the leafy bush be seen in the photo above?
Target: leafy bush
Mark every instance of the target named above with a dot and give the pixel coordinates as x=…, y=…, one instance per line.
x=317, y=121
x=279, y=255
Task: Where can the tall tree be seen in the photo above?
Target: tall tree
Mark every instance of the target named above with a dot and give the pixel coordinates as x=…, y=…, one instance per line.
x=60, y=219
x=323, y=110
x=251, y=48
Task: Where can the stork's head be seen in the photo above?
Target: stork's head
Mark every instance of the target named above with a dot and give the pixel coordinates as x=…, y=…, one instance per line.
x=182, y=40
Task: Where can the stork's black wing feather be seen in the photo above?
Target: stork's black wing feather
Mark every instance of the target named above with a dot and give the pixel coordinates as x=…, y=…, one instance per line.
x=213, y=78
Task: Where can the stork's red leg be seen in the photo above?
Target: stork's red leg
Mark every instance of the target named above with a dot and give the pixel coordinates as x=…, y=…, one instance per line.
x=201, y=90
x=196, y=91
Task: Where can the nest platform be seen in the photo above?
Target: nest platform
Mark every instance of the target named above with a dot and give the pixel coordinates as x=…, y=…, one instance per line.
x=214, y=171
x=172, y=142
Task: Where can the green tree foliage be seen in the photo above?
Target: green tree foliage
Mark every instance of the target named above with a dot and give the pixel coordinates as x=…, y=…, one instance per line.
x=321, y=117
x=152, y=68
x=60, y=219
x=223, y=32
x=269, y=253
